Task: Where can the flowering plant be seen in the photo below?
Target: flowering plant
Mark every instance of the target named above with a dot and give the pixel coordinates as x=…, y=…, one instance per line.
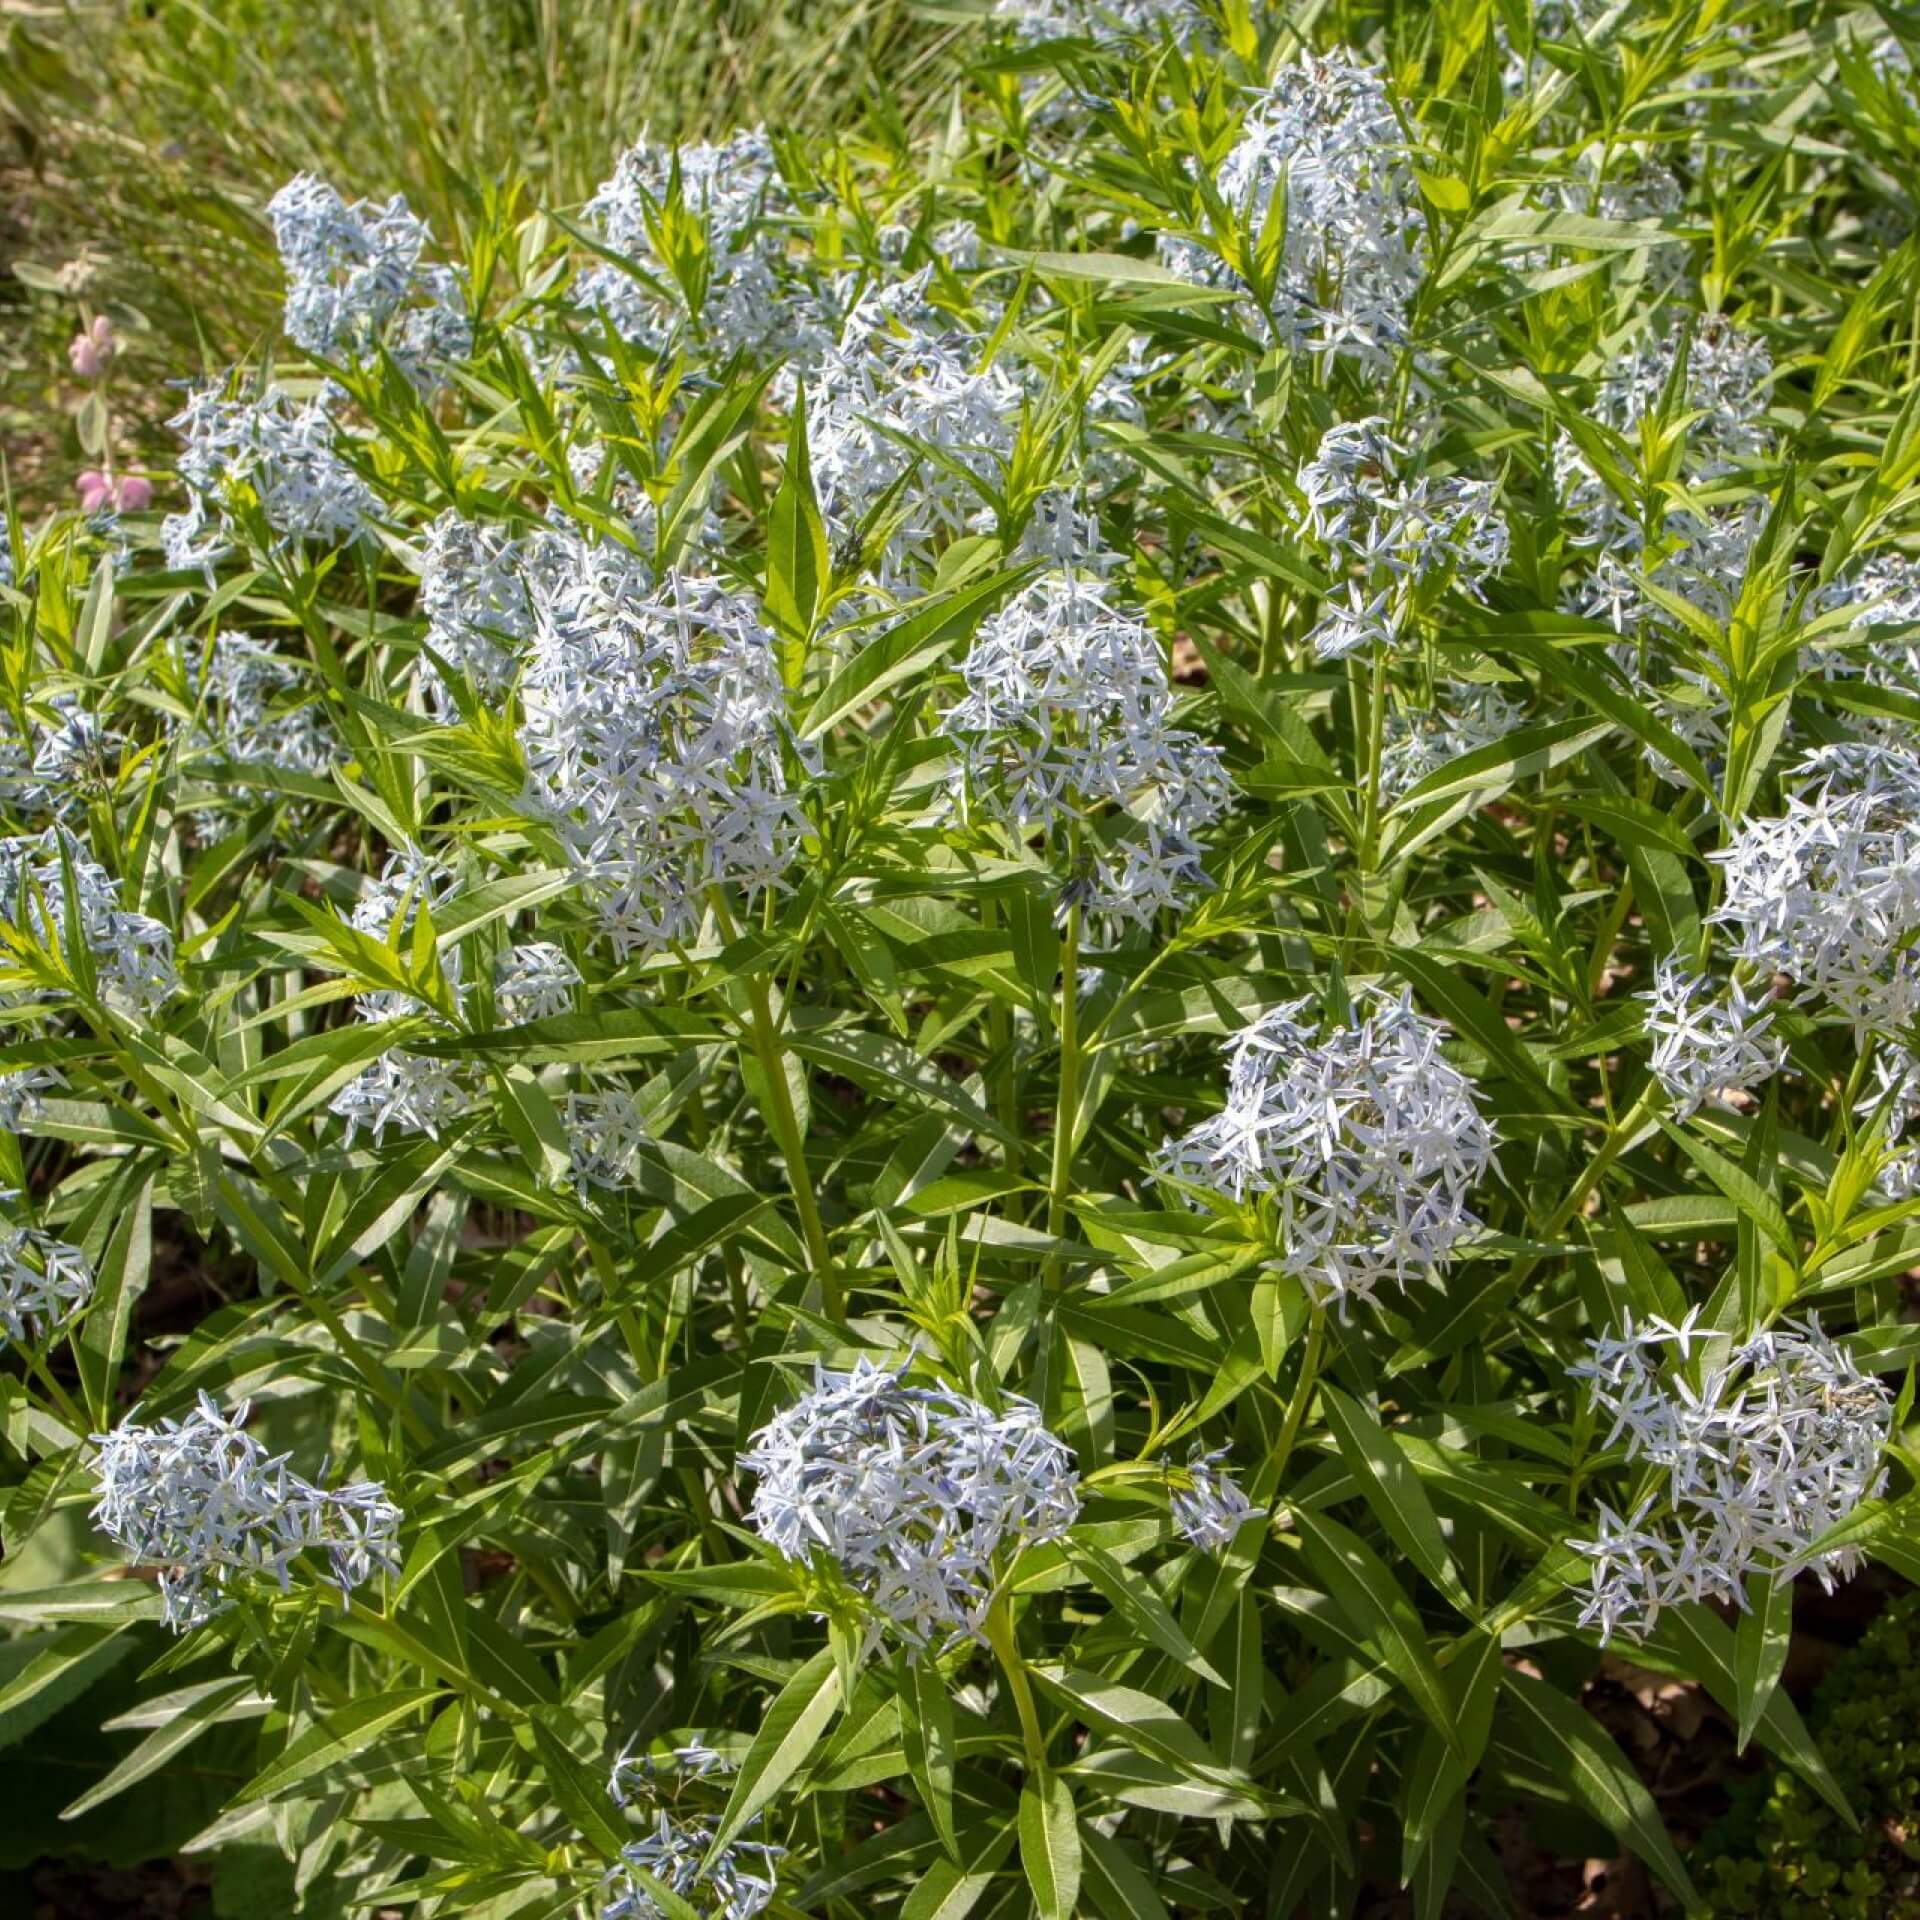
x=1022, y=995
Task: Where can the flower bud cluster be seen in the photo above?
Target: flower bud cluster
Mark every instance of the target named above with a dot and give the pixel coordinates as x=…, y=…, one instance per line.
x=1325, y=141
x=1369, y=1141
x=354, y=270
x=1067, y=723
x=1395, y=540
x=204, y=1500
x=44, y=1282
x=917, y=1496
x=1764, y=1450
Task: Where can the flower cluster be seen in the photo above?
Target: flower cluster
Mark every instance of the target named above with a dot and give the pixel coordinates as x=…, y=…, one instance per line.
x=1325, y=142
x=352, y=271
x=74, y=762
x=1894, y=1102
x=44, y=1282
x=1107, y=22
x=535, y=981
x=1211, y=1509
x=1465, y=716
x=1395, y=540
x=269, y=452
x=1883, y=599
x=132, y=952
x=917, y=1496
x=604, y=1136
x=905, y=391
x=252, y=710
x=202, y=1499
x=1709, y=1039
x=1370, y=1142
x=723, y=280
x=1697, y=550
x=737, y=1883
x=1763, y=1450
x=656, y=746
x=1067, y=724
x=411, y=1092
x=1828, y=892
x=479, y=611
x=20, y=1091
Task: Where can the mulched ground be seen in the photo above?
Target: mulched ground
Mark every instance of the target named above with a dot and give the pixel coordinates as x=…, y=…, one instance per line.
x=163, y=1890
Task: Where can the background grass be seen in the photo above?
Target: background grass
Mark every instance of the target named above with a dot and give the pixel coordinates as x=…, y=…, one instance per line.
x=140, y=142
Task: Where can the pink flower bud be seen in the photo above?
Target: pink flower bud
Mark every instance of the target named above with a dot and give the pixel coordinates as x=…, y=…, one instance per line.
x=96, y=491
x=136, y=493
x=92, y=349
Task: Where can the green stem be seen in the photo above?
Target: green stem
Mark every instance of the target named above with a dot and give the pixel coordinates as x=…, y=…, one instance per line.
x=64, y=1404
x=1006, y=1646
x=1267, y=1485
x=1619, y=1137
x=785, y=1123
x=1376, y=747
x=1067, y=1117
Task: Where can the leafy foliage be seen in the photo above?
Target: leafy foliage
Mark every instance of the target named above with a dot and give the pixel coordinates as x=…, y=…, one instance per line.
x=1783, y=1852
x=929, y=931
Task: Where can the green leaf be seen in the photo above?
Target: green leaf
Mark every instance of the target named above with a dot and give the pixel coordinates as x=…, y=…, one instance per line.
x=1487, y=772
x=1377, y=1608
x=1120, y=1887
x=1754, y=1202
x=1583, y=1758
x=784, y=1742
x=160, y=1746
x=932, y=629
x=926, y=1730
x=1760, y=1650
x=578, y=1790
x=1050, y=1845
x=1134, y=1598
x=45, y=1671
x=1394, y=1492
x=799, y=562
x=342, y=1734
x=1699, y=1646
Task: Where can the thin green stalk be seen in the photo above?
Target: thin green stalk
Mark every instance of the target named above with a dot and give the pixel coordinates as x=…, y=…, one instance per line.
x=785, y=1123
x=1006, y=1646
x=64, y=1404
x=1619, y=1137
x=1376, y=748
x=1067, y=1117
x=1267, y=1483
